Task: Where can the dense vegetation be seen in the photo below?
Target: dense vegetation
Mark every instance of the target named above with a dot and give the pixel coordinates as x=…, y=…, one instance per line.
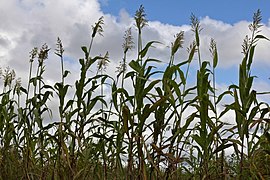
x=161, y=128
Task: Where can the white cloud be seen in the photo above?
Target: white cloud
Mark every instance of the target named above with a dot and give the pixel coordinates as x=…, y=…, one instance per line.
x=29, y=23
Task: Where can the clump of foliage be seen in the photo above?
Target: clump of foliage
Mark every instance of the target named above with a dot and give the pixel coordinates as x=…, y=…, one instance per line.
x=163, y=128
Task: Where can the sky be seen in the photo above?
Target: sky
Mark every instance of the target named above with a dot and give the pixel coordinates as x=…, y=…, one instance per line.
x=177, y=12
x=225, y=13
x=25, y=24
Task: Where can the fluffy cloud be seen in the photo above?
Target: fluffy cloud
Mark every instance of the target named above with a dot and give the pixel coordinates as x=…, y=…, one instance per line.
x=230, y=39
x=29, y=23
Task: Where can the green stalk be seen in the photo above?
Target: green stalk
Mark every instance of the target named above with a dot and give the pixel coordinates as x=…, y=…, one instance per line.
x=85, y=65
x=61, y=94
x=28, y=127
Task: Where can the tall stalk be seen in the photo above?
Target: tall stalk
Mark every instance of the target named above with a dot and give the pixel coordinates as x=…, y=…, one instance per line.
x=27, y=122
x=244, y=95
x=141, y=22
x=102, y=64
x=214, y=54
x=61, y=90
x=127, y=45
x=85, y=65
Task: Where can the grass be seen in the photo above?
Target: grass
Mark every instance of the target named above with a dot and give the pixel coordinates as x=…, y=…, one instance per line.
x=162, y=129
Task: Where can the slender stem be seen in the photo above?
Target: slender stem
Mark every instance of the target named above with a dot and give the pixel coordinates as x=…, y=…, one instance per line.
x=90, y=46
x=139, y=46
x=199, y=56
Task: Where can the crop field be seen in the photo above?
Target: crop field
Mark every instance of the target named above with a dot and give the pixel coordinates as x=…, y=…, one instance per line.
x=147, y=122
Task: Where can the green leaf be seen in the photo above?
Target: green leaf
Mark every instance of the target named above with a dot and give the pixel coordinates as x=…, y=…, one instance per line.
x=23, y=90
x=114, y=96
x=259, y=36
x=175, y=88
x=69, y=104
x=66, y=73
x=182, y=76
x=250, y=58
x=222, y=95
x=101, y=136
x=145, y=49
x=150, y=87
x=136, y=66
x=215, y=59
x=84, y=48
x=191, y=54
x=222, y=147
x=234, y=141
x=199, y=140
x=126, y=118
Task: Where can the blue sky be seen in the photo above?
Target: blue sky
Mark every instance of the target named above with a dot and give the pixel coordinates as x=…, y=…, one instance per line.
x=177, y=12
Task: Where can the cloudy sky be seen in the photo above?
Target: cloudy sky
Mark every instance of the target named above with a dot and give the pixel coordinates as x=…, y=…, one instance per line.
x=25, y=24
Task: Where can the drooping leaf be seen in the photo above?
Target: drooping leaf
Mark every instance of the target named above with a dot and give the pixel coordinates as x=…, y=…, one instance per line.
x=145, y=49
